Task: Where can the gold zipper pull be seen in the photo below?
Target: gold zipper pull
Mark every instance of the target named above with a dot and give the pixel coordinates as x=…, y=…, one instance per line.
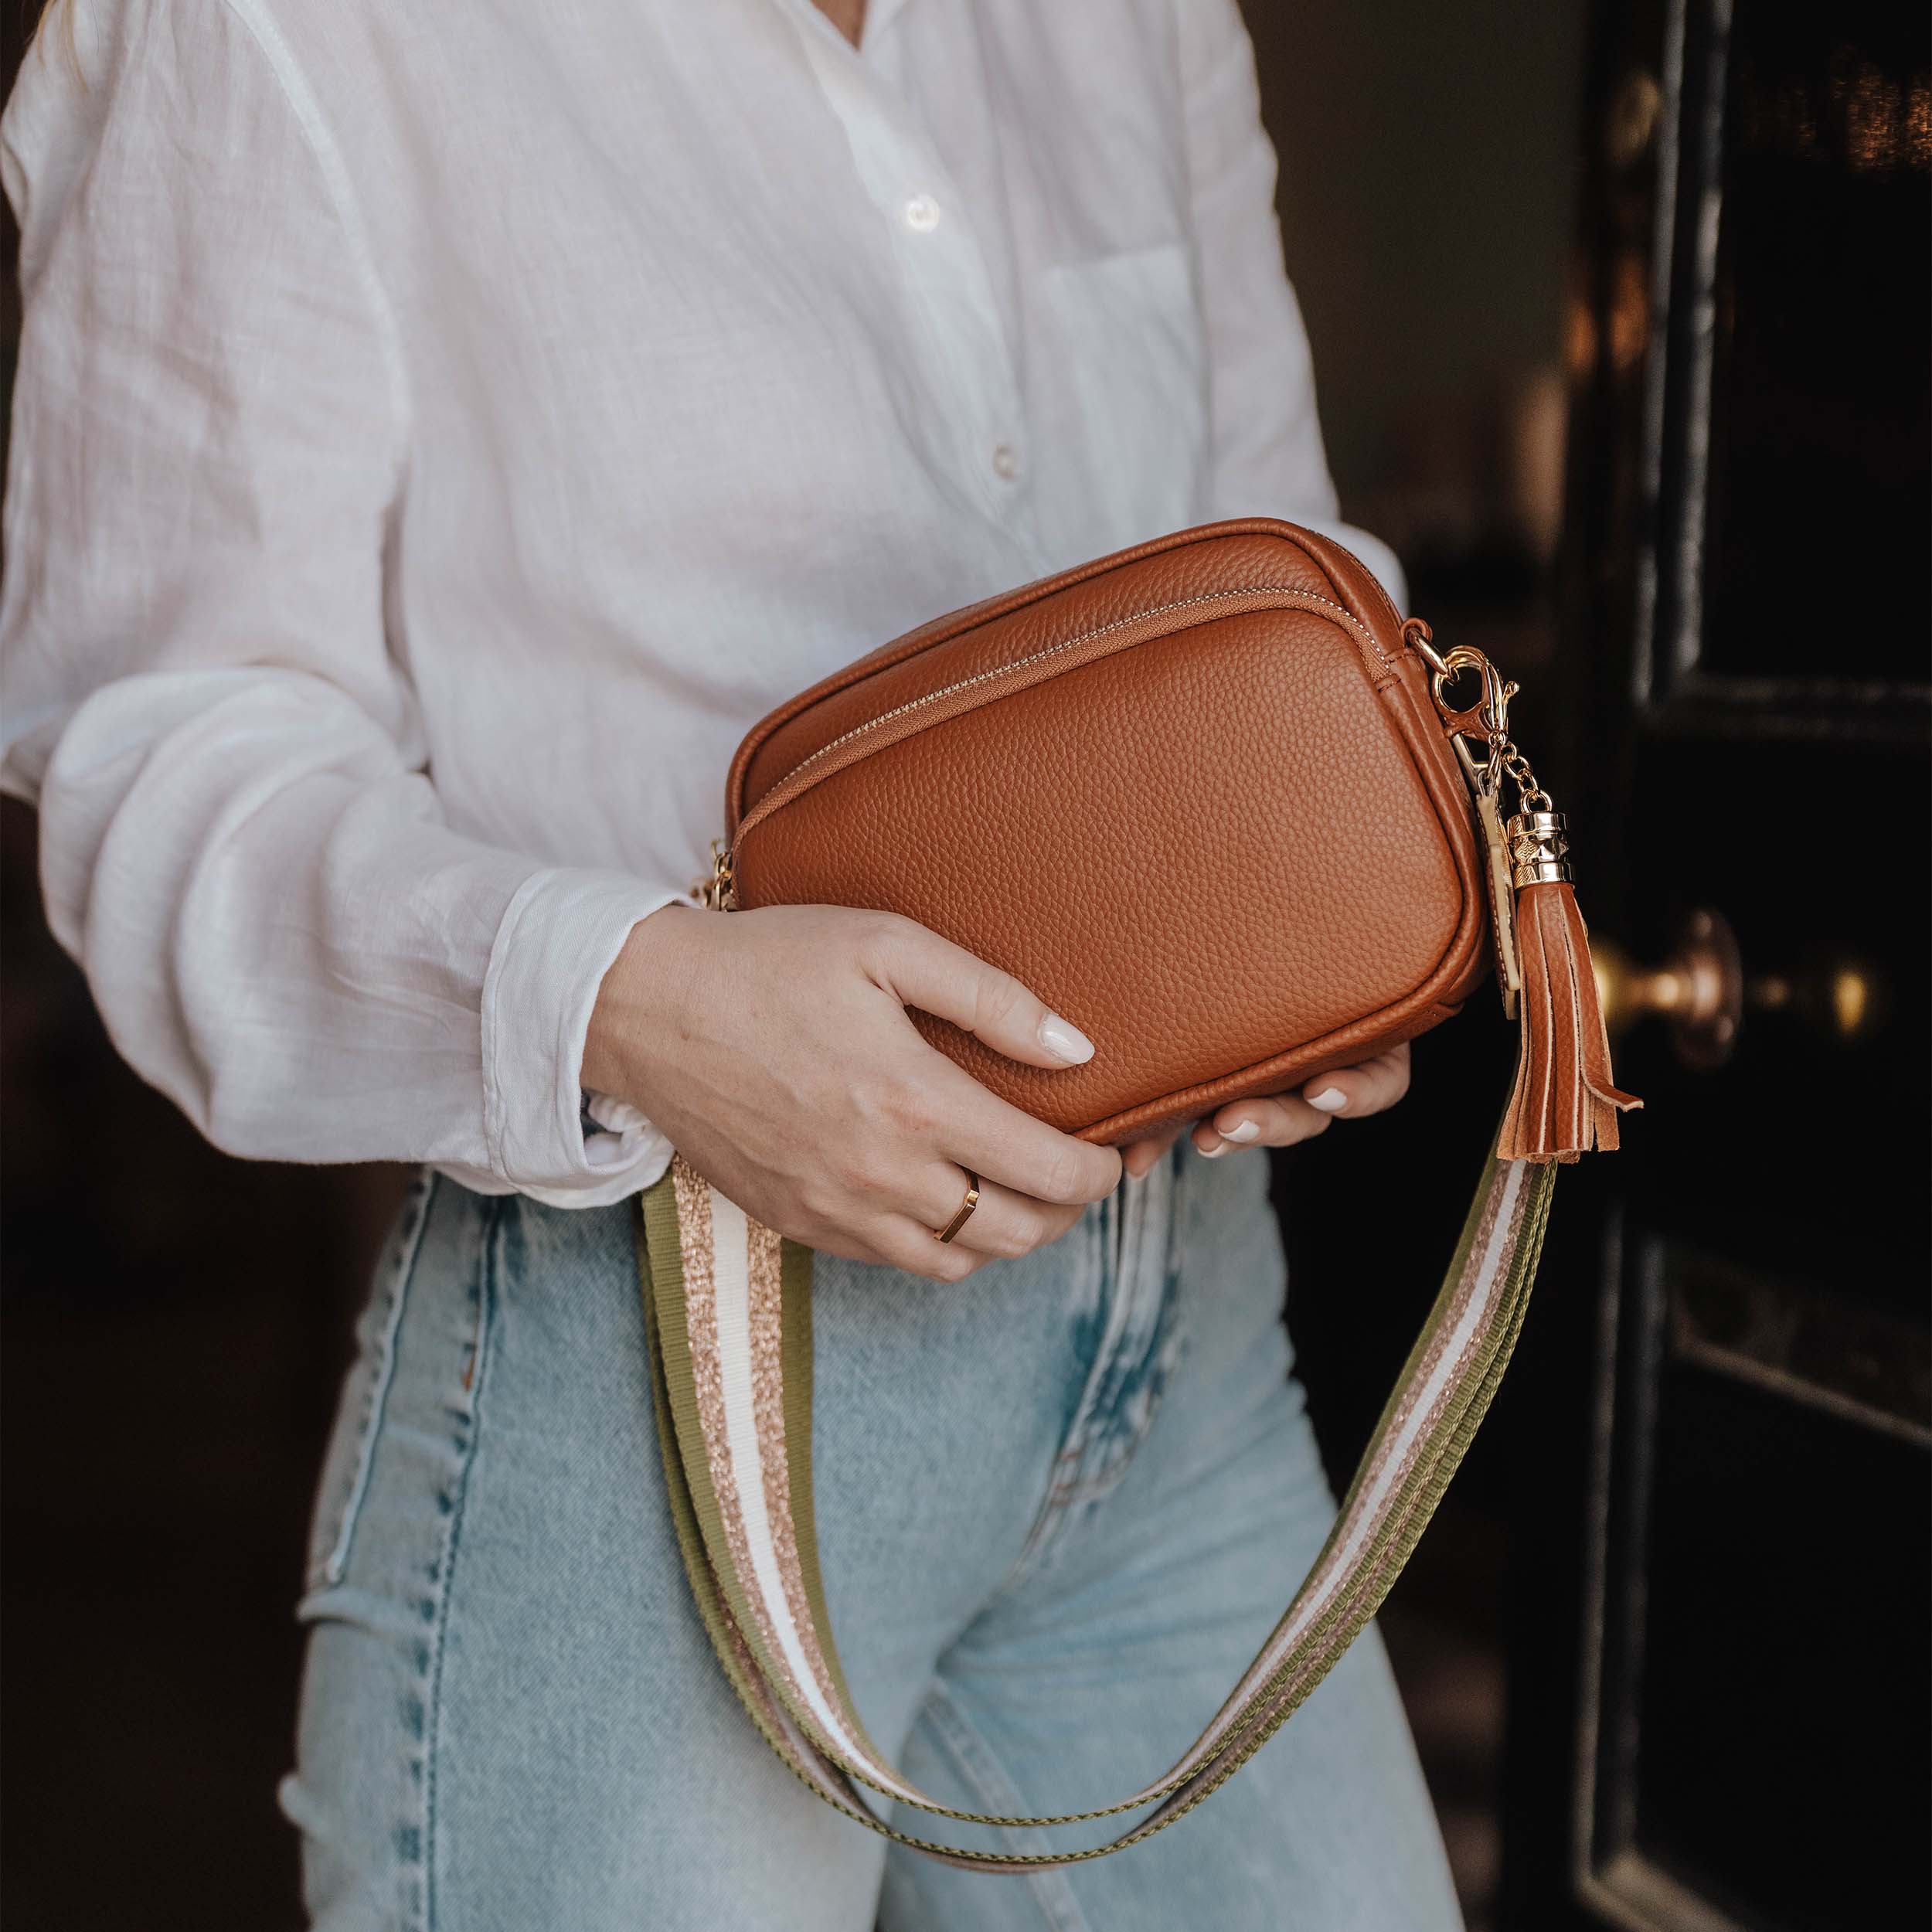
x=718, y=893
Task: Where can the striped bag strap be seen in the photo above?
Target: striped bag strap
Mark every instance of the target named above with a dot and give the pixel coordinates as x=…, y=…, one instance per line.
x=728, y=1312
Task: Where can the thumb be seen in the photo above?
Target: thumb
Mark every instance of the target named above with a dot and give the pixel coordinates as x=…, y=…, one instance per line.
x=919, y=968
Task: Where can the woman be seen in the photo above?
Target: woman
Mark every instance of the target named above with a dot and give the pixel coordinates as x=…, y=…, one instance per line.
x=439, y=434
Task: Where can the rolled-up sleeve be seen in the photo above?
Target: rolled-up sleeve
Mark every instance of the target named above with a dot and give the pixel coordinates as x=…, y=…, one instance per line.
x=1268, y=458
x=204, y=687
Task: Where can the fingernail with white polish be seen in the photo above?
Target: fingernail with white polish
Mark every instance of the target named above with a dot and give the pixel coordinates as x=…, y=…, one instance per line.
x=1215, y=1152
x=1247, y=1131
x=1064, y=1040
x=1331, y=1100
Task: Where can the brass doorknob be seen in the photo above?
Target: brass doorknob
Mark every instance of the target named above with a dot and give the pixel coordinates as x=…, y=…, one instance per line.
x=1702, y=992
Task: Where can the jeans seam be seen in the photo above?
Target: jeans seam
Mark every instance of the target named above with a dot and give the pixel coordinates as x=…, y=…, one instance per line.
x=486, y=1287
x=979, y=1764
x=403, y=1278
x=1062, y=1481
x=1071, y=1487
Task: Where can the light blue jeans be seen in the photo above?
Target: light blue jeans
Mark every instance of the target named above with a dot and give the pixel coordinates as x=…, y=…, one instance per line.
x=1059, y=1506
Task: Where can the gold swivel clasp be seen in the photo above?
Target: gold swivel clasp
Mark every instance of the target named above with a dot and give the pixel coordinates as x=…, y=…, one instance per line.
x=1488, y=718
x=1485, y=723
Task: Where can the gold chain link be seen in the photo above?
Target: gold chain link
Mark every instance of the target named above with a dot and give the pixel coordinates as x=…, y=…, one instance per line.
x=1504, y=757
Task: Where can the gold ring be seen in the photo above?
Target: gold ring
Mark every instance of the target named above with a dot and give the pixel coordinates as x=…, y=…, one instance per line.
x=966, y=1207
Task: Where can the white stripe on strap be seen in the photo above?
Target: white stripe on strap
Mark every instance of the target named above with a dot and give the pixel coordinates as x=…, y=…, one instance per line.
x=731, y=1275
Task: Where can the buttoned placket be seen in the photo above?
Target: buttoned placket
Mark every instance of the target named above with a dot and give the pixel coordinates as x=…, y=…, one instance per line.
x=972, y=373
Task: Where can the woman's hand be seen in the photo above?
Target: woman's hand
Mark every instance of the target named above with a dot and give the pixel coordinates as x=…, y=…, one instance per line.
x=772, y=1048
x=1347, y=1094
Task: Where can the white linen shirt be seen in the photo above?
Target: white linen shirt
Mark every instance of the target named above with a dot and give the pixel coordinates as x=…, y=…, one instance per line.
x=440, y=431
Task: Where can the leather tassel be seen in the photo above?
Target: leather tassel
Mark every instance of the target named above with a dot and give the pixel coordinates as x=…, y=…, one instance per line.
x=1565, y=1104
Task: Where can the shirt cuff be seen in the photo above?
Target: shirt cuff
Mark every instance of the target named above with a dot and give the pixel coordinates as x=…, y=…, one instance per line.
x=557, y=940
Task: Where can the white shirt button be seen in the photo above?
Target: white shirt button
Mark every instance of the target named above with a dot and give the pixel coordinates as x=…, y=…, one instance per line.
x=922, y=214
x=1006, y=460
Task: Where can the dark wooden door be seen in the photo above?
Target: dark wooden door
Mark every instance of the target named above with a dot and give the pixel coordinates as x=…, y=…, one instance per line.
x=1719, y=1683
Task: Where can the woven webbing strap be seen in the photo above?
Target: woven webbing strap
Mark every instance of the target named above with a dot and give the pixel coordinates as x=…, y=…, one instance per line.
x=728, y=1309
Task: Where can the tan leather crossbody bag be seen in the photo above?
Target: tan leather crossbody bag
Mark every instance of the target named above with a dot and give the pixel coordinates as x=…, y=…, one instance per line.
x=1213, y=800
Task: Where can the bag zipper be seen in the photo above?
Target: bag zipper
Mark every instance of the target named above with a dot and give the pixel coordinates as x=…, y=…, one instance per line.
x=802, y=776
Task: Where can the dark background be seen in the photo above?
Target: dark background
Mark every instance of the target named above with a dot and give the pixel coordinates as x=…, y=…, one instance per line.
x=175, y=1322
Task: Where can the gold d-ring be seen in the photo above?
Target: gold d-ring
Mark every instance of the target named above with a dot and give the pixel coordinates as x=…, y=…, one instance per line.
x=966, y=1207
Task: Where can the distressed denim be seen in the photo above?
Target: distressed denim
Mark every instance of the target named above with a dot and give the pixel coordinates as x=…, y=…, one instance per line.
x=1059, y=1506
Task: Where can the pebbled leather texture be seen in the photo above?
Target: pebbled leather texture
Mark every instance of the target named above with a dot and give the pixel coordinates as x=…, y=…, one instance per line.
x=1233, y=846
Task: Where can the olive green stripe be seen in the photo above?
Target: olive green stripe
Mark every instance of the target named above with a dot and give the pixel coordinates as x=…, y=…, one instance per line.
x=1424, y=1458
x=1489, y=1180
x=795, y=1358
x=1410, y=1515
x=658, y=1262
x=661, y=1239
x=727, y=1642
x=1435, y=1458
x=1408, y=1519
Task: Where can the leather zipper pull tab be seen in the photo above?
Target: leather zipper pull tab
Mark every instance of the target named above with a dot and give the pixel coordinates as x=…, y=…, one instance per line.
x=1502, y=898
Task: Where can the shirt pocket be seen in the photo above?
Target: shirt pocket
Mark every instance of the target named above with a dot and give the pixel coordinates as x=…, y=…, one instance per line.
x=1124, y=401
